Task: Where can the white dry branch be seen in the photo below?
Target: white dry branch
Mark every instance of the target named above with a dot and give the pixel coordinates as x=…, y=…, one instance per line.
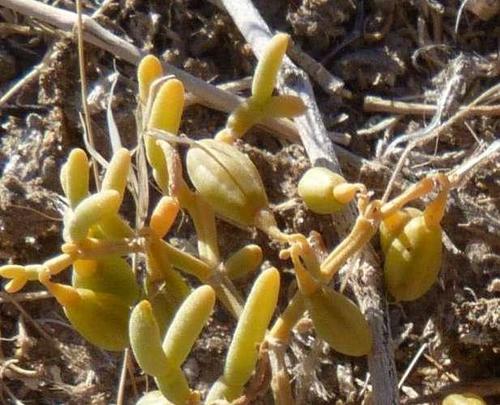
x=367, y=281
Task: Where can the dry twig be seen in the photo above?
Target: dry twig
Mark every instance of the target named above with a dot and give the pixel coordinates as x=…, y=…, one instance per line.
x=378, y=104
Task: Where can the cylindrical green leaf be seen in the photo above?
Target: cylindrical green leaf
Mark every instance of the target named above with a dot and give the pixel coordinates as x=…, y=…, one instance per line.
x=187, y=324
x=75, y=177
x=117, y=172
x=145, y=340
x=250, y=331
x=244, y=261
x=114, y=227
x=266, y=72
x=148, y=71
x=285, y=106
x=175, y=388
x=90, y=211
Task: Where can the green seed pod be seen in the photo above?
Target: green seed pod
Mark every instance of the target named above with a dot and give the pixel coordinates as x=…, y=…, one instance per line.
x=112, y=275
x=339, y=322
x=117, y=172
x=413, y=260
x=249, y=334
x=465, y=398
x=75, y=177
x=316, y=189
x=90, y=211
x=228, y=180
x=187, y=324
x=244, y=261
x=266, y=72
x=145, y=340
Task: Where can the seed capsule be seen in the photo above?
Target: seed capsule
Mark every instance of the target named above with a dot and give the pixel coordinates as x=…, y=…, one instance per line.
x=326, y=192
x=412, y=244
x=228, y=180
x=394, y=224
x=339, y=322
x=413, y=260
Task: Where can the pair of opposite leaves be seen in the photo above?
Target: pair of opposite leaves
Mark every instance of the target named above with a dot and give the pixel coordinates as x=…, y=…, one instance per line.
x=164, y=359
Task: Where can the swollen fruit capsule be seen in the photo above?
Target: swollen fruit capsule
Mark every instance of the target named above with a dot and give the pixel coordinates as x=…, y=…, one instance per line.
x=326, y=192
x=411, y=241
x=413, y=260
x=228, y=180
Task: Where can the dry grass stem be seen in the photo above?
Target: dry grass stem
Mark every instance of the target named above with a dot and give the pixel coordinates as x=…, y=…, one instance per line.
x=378, y=104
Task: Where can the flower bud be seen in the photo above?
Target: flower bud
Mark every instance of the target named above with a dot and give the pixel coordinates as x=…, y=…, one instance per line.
x=228, y=180
x=316, y=188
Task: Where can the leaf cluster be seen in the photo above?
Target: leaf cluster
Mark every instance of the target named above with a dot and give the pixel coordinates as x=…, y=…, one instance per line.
x=158, y=312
